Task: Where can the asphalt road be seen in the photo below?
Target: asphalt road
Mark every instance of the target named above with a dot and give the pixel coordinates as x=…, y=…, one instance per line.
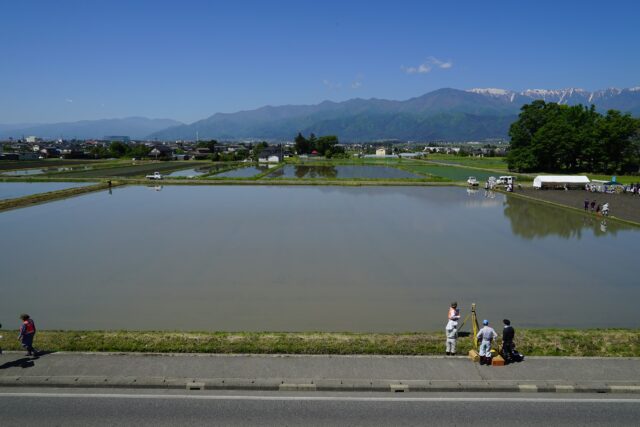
x=65, y=407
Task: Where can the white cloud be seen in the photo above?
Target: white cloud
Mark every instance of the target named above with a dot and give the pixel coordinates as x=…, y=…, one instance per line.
x=440, y=64
x=420, y=69
x=429, y=64
x=68, y=100
x=357, y=83
x=331, y=85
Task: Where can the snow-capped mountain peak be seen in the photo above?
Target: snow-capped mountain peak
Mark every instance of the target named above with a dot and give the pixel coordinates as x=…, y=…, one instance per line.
x=490, y=91
x=569, y=96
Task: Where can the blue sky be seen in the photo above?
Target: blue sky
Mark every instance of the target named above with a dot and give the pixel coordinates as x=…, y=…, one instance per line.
x=75, y=60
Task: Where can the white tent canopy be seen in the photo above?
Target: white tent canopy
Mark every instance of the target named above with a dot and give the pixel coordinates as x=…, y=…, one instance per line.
x=552, y=180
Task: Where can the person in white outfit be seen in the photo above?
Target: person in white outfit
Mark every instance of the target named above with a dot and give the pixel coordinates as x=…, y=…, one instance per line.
x=454, y=312
x=486, y=336
x=452, y=337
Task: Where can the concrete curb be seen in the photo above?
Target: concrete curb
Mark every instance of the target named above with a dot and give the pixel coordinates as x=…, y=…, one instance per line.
x=309, y=384
x=308, y=356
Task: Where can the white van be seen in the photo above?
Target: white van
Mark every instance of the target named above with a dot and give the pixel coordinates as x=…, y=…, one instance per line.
x=506, y=180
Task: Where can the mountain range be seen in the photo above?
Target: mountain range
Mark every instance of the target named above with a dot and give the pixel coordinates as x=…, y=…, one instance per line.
x=444, y=114
x=134, y=127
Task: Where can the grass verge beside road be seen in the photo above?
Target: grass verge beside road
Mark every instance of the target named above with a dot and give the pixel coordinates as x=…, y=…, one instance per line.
x=533, y=342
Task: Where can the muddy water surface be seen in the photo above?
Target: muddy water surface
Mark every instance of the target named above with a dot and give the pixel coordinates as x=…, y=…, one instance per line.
x=312, y=258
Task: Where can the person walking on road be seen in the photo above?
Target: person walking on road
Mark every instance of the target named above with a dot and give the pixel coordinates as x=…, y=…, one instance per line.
x=454, y=312
x=452, y=337
x=486, y=335
x=27, y=333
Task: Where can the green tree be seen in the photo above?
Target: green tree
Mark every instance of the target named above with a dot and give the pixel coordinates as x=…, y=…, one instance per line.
x=302, y=144
x=548, y=137
x=257, y=148
x=138, y=150
x=118, y=149
x=325, y=144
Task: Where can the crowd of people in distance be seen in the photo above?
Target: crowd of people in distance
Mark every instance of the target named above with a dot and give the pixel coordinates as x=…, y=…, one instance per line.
x=486, y=337
x=596, y=208
x=633, y=189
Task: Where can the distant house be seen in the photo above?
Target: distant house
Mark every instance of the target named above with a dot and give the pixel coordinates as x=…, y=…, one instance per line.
x=381, y=152
x=73, y=154
x=161, y=152
x=201, y=153
x=50, y=152
x=270, y=155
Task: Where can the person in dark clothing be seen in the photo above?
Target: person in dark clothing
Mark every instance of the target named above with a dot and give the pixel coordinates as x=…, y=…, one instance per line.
x=593, y=205
x=27, y=332
x=586, y=205
x=508, y=334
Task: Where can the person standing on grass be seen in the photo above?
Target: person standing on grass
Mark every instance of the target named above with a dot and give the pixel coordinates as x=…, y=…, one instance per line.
x=452, y=337
x=593, y=205
x=586, y=205
x=27, y=333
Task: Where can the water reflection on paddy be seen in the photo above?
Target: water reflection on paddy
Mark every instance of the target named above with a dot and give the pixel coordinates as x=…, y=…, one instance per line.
x=243, y=172
x=341, y=171
x=193, y=172
x=12, y=190
x=313, y=258
x=42, y=171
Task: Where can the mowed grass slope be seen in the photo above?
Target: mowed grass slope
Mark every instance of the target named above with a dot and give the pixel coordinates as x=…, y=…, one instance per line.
x=538, y=342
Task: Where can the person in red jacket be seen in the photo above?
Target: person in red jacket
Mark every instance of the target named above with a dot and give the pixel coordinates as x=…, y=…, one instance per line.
x=27, y=333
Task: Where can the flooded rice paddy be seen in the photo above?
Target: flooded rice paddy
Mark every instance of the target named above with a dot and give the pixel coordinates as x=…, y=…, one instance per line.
x=12, y=190
x=243, y=172
x=452, y=173
x=194, y=172
x=312, y=258
x=341, y=171
x=44, y=171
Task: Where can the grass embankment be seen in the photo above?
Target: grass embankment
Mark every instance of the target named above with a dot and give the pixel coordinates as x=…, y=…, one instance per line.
x=495, y=163
x=7, y=165
x=52, y=195
x=538, y=342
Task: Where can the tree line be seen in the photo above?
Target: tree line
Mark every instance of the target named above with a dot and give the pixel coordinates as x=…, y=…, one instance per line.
x=323, y=145
x=559, y=138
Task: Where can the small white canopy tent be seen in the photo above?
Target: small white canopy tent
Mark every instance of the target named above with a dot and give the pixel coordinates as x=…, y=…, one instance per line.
x=559, y=180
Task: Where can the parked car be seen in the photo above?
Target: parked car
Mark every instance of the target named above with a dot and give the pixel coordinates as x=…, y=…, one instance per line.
x=156, y=175
x=472, y=181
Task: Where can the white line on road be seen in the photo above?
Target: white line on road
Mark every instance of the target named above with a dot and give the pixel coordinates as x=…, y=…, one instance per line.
x=318, y=398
